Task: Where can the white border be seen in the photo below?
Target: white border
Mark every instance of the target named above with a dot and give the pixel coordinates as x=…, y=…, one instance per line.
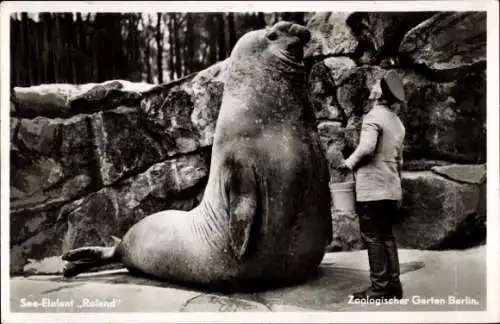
x=493, y=251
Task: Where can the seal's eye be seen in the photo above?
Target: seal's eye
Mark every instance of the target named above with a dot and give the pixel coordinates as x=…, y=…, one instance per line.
x=272, y=35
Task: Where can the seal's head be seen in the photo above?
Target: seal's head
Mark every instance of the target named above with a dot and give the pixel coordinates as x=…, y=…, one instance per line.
x=266, y=79
x=285, y=41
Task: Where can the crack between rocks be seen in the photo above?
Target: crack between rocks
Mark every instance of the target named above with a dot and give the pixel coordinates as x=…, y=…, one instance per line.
x=186, y=303
x=168, y=85
x=444, y=176
x=440, y=176
x=16, y=129
x=138, y=171
x=432, y=154
x=158, y=139
x=73, y=112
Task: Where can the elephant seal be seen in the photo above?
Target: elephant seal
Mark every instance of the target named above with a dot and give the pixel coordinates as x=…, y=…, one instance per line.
x=265, y=214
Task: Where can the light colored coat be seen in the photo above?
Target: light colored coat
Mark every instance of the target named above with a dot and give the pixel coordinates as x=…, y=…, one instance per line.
x=378, y=158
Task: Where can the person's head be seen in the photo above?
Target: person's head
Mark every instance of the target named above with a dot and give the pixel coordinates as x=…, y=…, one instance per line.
x=392, y=88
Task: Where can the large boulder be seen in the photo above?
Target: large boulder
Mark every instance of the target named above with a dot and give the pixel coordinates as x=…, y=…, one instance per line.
x=474, y=229
x=354, y=91
x=439, y=212
x=380, y=33
x=51, y=161
x=449, y=44
x=122, y=146
x=340, y=90
x=339, y=67
x=332, y=138
x=207, y=88
x=474, y=174
x=346, y=235
x=322, y=89
x=109, y=95
x=366, y=37
x=44, y=99
x=447, y=120
x=182, y=115
x=64, y=100
x=330, y=35
x=176, y=183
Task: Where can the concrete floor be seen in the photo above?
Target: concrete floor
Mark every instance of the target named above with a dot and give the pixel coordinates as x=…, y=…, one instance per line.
x=431, y=280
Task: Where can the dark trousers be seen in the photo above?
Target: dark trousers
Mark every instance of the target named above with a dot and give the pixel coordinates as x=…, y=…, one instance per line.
x=375, y=224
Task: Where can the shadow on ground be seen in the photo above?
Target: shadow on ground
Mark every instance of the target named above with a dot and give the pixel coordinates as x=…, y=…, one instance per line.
x=329, y=287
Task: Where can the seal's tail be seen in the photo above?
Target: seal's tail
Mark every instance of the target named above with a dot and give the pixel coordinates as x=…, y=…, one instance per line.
x=85, y=258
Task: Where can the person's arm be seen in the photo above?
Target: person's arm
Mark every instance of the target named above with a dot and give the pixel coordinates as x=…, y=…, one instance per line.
x=367, y=142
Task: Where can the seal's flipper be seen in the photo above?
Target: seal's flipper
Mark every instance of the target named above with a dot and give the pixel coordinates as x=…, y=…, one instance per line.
x=85, y=258
x=87, y=254
x=243, y=202
x=72, y=269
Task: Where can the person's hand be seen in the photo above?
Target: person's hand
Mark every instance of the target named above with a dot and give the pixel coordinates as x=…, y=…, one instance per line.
x=344, y=167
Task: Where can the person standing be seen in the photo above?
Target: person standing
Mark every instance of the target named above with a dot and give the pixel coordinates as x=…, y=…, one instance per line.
x=377, y=164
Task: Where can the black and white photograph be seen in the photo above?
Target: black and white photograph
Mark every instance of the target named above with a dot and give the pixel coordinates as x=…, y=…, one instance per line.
x=261, y=161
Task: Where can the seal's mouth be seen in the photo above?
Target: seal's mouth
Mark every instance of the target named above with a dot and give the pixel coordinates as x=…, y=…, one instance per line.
x=295, y=51
x=287, y=42
x=291, y=58
x=301, y=32
x=293, y=30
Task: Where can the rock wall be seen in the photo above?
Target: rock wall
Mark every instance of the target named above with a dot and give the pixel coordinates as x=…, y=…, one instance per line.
x=441, y=58
x=88, y=161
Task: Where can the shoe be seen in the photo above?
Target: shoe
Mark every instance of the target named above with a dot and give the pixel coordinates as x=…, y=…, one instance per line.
x=373, y=293
x=394, y=285
x=395, y=290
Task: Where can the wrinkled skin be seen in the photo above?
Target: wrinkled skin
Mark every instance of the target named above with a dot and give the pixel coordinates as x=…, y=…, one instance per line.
x=265, y=214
